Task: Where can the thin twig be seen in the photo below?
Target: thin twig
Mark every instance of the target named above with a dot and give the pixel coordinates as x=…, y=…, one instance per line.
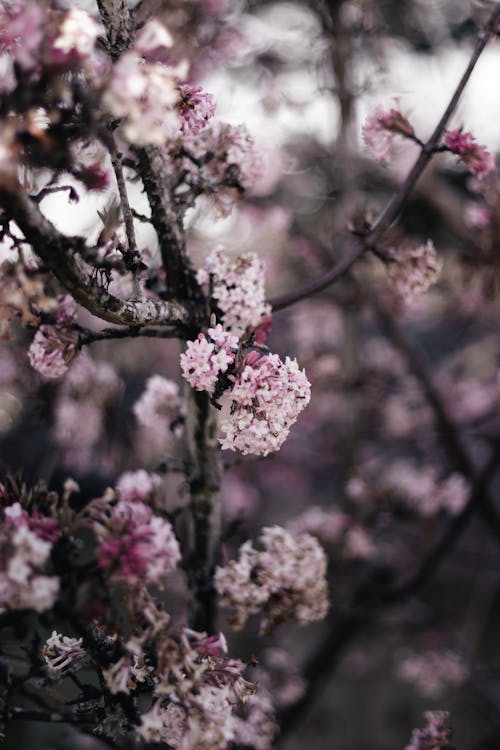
x=122, y=189
x=86, y=336
x=398, y=200
x=449, y=431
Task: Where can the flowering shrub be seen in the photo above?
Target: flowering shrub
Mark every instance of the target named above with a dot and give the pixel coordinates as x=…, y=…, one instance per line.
x=174, y=390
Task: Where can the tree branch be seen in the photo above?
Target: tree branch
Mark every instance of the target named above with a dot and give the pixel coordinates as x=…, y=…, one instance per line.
x=63, y=257
x=122, y=189
x=167, y=222
x=452, y=439
x=398, y=200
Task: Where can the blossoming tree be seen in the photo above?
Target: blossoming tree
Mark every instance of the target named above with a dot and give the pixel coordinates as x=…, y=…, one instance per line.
x=119, y=554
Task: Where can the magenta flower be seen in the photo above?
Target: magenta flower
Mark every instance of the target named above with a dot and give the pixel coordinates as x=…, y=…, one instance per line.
x=476, y=158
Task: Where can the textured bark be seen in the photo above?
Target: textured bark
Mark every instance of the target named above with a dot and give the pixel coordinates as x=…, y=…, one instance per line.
x=63, y=256
x=118, y=24
x=168, y=225
x=204, y=481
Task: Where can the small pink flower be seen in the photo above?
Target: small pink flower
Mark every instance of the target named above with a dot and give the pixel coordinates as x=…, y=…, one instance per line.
x=476, y=158
x=379, y=130
x=196, y=108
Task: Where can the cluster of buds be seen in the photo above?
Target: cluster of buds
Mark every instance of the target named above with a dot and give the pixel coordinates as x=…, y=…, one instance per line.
x=285, y=580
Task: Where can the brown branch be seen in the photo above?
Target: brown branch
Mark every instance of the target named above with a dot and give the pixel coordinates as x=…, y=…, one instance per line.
x=87, y=336
x=398, y=200
x=63, y=256
x=368, y=600
x=122, y=190
x=429, y=564
x=449, y=431
x=203, y=459
x=168, y=224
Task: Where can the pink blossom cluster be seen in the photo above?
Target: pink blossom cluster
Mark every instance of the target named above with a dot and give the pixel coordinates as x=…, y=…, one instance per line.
x=74, y=38
x=422, y=491
x=238, y=288
x=87, y=391
x=207, y=357
x=266, y=400
x=196, y=107
x=33, y=39
x=142, y=90
x=61, y=652
x=138, y=485
x=134, y=545
x=434, y=736
x=476, y=158
x=54, y=346
x=415, y=270
x=381, y=127
x=284, y=580
x=224, y=160
x=433, y=672
x=160, y=407
x=333, y=527
x=21, y=32
x=26, y=543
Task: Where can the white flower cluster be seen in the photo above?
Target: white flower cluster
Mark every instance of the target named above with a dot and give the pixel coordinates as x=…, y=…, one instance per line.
x=23, y=556
x=416, y=269
x=267, y=398
x=61, y=652
x=286, y=580
x=238, y=289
